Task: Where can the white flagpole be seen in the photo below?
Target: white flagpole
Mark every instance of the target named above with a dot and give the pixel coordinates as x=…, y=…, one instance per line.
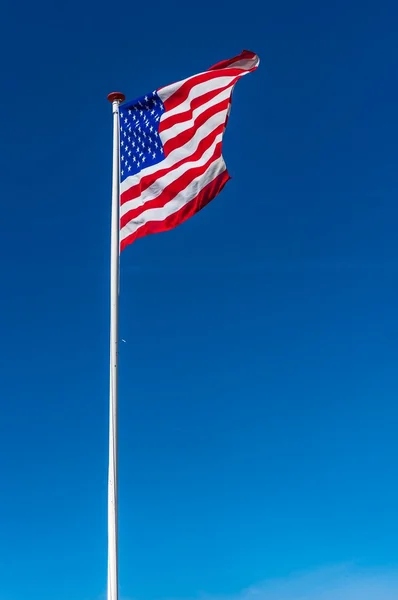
x=113, y=585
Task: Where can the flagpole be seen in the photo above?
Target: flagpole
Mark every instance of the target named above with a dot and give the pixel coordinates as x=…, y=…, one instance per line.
x=113, y=585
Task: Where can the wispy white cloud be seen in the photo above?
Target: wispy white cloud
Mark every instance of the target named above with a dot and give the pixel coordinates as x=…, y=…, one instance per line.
x=345, y=582
x=337, y=583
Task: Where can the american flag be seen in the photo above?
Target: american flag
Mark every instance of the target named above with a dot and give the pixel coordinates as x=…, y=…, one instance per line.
x=171, y=162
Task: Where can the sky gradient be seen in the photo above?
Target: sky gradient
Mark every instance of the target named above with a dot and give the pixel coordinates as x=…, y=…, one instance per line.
x=258, y=378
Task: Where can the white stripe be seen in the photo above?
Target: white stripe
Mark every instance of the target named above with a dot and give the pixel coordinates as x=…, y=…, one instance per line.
x=179, y=153
x=180, y=127
x=157, y=188
x=185, y=196
x=168, y=90
x=197, y=90
x=246, y=64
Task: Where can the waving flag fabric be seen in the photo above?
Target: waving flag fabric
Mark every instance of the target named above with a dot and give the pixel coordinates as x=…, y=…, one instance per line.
x=171, y=162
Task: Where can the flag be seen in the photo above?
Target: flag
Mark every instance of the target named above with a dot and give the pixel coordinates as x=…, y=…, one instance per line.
x=171, y=162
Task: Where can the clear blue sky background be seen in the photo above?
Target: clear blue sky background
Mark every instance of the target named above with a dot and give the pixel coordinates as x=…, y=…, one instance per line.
x=259, y=380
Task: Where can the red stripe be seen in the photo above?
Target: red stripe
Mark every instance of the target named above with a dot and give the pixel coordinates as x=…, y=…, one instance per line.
x=185, y=136
x=193, y=105
x=188, y=210
x=221, y=69
x=182, y=93
x=244, y=55
x=148, y=180
x=171, y=191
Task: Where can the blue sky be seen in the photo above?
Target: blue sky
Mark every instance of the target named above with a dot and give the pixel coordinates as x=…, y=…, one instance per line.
x=258, y=381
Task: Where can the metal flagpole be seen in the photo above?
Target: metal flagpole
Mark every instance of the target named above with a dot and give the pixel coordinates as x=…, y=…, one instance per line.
x=113, y=587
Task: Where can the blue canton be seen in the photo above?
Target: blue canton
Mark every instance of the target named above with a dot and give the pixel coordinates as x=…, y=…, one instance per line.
x=140, y=144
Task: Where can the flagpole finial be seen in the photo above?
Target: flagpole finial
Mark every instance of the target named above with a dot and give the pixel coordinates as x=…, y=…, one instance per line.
x=116, y=97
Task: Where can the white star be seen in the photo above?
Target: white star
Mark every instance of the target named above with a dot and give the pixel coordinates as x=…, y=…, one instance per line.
x=122, y=172
x=143, y=159
x=154, y=155
x=129, y=167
